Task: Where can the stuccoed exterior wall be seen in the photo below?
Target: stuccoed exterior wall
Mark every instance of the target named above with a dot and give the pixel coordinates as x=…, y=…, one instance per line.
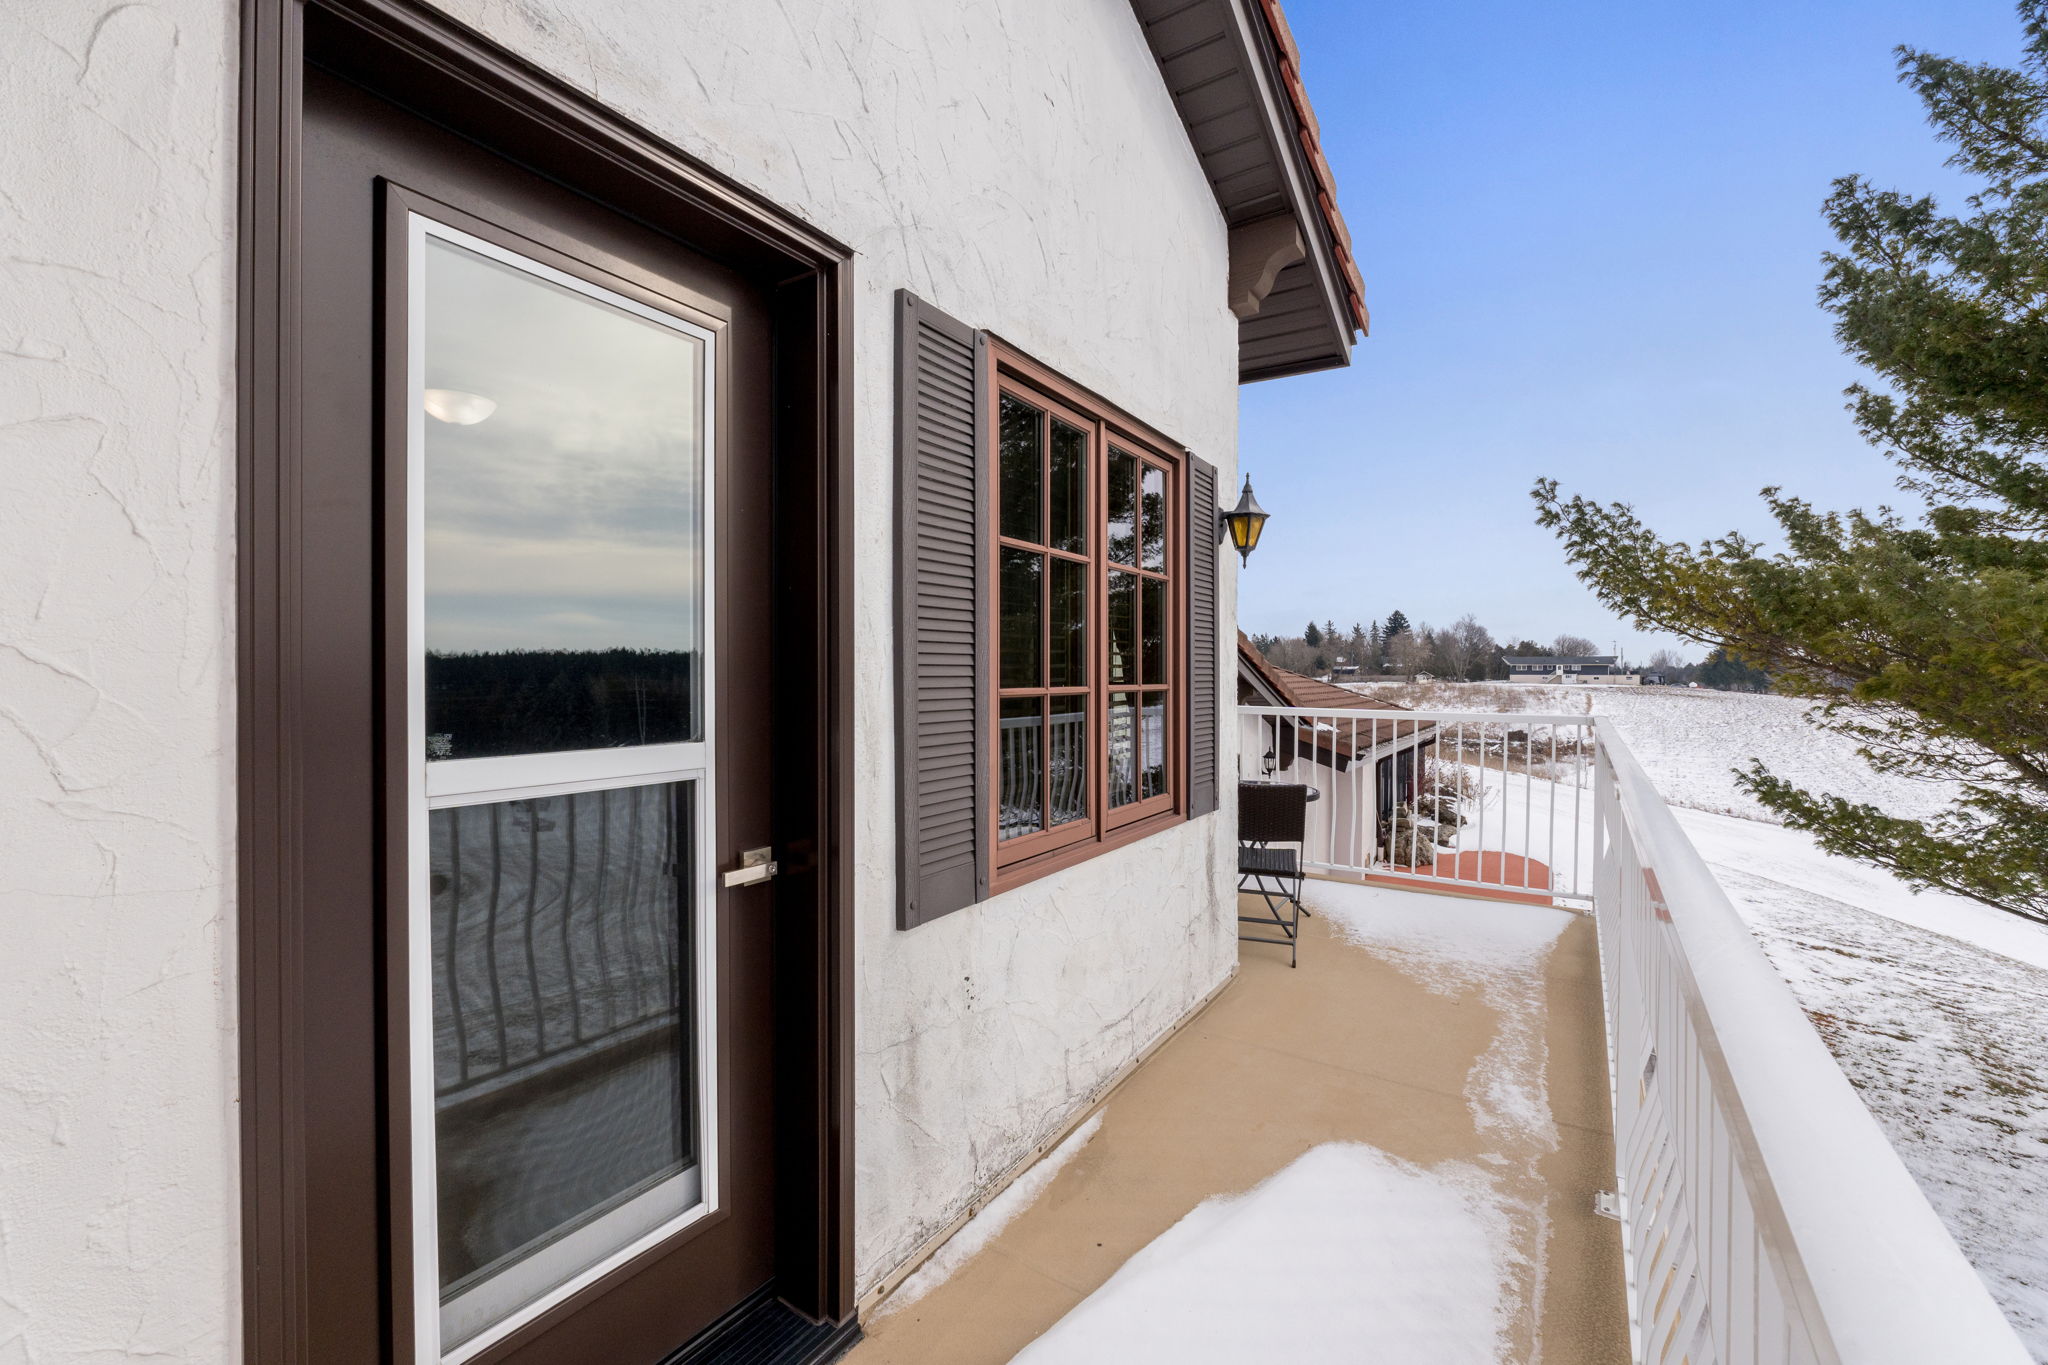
x=117, y=1125
x=1019, y=164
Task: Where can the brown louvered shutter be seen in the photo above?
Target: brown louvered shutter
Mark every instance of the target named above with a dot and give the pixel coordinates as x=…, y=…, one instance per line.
x=941, y=513
x=1204, y=690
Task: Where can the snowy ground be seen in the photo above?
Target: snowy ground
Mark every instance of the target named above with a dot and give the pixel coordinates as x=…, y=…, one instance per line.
x=1933, y=1005
x=1943, y=1036
x=1690, y=741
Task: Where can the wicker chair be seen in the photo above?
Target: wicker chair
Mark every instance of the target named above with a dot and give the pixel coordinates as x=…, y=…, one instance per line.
x=1270, y=815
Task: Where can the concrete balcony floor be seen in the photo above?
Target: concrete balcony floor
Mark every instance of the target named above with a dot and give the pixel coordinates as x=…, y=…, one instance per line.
x=1380, y=1037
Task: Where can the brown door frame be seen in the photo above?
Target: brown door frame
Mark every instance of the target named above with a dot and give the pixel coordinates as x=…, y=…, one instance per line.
x=454, y=76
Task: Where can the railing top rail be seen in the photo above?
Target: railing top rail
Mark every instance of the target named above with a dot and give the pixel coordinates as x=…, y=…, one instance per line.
x=1890, y=1284
x=1439, y=717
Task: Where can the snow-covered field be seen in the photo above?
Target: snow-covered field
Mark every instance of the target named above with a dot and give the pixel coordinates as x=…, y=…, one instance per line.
x=1936, y=1007
x=1690, y=741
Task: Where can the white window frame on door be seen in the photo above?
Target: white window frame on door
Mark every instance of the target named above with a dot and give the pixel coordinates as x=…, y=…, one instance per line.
x=457, y=782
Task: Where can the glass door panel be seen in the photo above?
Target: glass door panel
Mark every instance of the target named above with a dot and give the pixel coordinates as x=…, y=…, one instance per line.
x=564, y=1060
x=561, y=932
x=562, y=440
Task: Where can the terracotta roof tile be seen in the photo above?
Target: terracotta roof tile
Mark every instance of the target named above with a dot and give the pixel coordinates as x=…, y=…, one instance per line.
x=1311, y=694
x=1310, y=132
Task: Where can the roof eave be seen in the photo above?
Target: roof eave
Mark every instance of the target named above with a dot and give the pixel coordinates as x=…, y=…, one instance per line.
x=1223, y=65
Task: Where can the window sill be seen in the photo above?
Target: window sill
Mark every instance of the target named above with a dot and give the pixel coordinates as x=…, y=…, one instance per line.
x=1030, y=869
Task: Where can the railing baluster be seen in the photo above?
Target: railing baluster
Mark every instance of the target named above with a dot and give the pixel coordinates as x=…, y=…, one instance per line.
x=1550, y=851
x=606, y=976
x=455, y=903
x=1588, y=736
x=497, y=810
x=540, y=1033
x=1480, y=799
x=572, y=808
x=1528, y=799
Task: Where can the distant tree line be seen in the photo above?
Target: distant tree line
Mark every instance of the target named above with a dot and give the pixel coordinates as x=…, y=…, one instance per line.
x=486, y=704
x=1466, y=651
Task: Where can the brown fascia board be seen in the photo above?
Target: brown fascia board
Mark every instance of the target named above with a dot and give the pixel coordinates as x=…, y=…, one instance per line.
x=1309, y=131
x=1264, y=52
x=1275, y=75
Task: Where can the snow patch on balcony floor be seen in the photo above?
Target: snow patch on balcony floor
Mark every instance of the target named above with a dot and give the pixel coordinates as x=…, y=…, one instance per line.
x=1469, y=948
x=1352, y=1254
x=1346, y=1255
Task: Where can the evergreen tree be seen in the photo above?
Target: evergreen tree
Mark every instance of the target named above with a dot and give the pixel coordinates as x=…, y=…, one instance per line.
x=1925, y=638
x=1311, y=636
x=1397, y=624
x=1726, y=673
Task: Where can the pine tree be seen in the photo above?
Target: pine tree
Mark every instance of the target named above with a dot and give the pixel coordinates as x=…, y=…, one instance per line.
x=1310, y=636
x=1397, y=624
x=1724, y=672
x=1926, y=639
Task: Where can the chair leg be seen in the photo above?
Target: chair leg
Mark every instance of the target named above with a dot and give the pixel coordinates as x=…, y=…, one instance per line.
x=1276, y=899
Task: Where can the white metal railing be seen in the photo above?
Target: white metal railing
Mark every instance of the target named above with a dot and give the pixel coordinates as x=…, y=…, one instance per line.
x=1766, y=1219
x=1503, y=802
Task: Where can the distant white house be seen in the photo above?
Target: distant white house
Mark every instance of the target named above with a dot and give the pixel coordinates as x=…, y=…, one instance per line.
x=1603, y=669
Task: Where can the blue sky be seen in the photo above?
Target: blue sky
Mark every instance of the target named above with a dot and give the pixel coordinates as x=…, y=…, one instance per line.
x=1590, y=235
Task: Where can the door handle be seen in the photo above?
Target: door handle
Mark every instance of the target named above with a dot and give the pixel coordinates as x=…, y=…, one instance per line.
x=757, y=865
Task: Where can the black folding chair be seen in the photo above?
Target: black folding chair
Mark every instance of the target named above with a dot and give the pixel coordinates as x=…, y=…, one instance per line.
x=1270, y=814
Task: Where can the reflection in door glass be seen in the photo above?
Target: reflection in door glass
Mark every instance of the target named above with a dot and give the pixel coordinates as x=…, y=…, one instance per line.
x=564, y=474
x=565, y=1119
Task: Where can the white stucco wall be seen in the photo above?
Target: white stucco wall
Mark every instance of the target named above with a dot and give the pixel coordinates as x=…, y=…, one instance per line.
x=117, y=1127
x=1016, y=162
x=1019, y=164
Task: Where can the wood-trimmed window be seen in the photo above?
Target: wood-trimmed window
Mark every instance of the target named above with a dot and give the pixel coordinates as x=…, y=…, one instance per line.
x=1087, y=592
x=1103, y=679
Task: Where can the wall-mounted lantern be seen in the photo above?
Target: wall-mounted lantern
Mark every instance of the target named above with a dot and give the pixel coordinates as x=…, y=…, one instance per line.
x=1244, y=522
